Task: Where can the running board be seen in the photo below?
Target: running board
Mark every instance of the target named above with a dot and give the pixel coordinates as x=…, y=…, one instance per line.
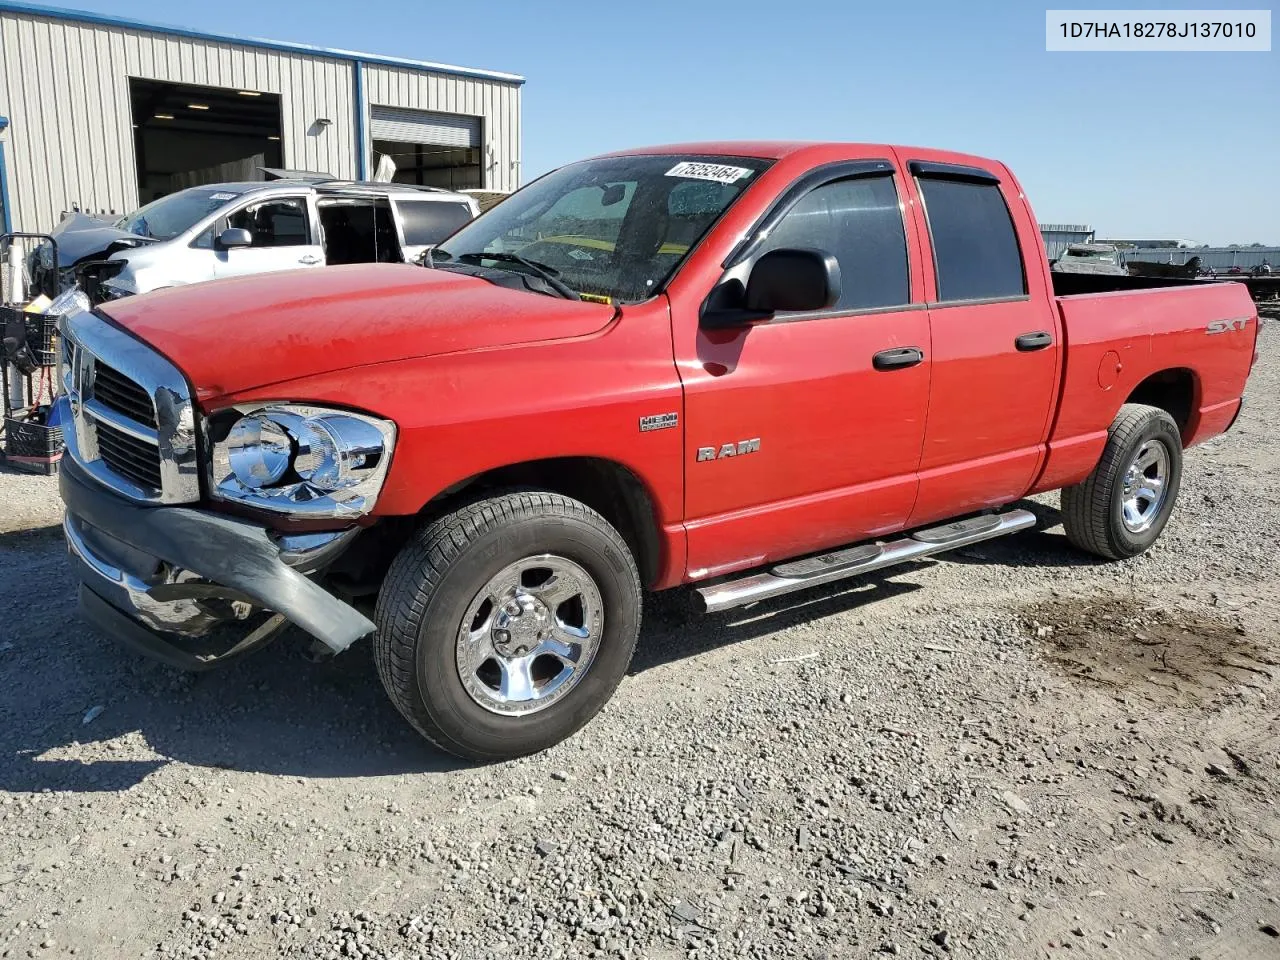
x=852, y=561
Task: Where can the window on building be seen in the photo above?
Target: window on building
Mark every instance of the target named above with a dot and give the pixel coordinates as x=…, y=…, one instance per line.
x=859, y=222
x=974, y=244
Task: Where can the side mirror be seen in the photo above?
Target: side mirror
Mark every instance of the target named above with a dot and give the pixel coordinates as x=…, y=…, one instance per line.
x=234, y=237
x=796, y=279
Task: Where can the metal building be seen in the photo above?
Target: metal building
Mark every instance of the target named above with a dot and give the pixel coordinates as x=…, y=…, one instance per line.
x=102, y=114
x=1218, y=259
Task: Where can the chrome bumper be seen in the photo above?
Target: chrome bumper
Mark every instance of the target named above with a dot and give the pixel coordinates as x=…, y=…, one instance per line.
x=165, y=580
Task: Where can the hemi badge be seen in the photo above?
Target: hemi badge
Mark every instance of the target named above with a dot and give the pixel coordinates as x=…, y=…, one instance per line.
x=659, y=421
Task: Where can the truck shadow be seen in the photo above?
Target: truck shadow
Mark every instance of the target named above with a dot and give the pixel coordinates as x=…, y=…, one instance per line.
x=31, y=538
x=271, y=713
x=674, y=630
x=1042, y=546
x=276, y=713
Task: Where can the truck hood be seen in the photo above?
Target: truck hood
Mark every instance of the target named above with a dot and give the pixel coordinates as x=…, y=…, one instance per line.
x=239, y=334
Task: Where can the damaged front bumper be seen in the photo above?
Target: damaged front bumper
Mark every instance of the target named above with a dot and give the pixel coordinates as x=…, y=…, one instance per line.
x=194, y=588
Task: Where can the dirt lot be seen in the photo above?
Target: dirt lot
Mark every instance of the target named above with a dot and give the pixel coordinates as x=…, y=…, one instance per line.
x=1011, y=752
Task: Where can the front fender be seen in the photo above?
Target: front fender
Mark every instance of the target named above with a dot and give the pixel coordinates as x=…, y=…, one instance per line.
x=465, y=414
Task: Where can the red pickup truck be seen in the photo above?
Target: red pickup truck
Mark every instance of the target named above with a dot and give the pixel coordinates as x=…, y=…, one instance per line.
x=749, y=367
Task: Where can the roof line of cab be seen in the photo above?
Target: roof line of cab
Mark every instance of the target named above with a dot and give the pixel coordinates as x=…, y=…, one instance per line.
x=782, y=149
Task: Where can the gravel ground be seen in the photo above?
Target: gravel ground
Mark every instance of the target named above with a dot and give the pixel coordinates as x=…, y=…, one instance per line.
x=1011, y=751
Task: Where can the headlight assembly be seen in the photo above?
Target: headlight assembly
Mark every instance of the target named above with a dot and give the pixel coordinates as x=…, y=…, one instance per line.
x=304, y=460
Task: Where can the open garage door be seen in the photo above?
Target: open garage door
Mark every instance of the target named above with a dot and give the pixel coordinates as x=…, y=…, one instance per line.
x=187, y=135
x=429, y=149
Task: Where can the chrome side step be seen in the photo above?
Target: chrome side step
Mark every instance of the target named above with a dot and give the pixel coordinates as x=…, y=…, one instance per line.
x=852, y=561
x=828, y=562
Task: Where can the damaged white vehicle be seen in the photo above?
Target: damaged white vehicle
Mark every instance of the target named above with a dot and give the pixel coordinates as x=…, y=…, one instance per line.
x=237, y=229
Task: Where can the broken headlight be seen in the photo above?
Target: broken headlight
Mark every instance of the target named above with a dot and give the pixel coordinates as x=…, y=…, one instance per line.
x=299, y=459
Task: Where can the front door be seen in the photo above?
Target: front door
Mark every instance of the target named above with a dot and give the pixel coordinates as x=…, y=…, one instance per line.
x=804, y=431
x=996, y=350
x=284, y=238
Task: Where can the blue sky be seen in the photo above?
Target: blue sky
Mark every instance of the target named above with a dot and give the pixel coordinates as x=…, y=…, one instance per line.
x=1137, y=144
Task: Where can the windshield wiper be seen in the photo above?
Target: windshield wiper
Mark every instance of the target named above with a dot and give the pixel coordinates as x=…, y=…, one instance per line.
x=549, y=274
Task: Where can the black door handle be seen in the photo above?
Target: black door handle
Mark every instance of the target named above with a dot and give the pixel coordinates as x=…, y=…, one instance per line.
x=897, y=358
x=1033, y=341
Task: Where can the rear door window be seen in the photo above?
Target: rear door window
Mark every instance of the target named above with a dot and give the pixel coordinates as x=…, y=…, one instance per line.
x=427, y=222
x=859, y=222
x=975, y=248
x=275, y=223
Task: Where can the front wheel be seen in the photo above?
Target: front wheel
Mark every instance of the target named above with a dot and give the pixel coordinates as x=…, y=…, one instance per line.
x=1122, y=506
x=505, y=626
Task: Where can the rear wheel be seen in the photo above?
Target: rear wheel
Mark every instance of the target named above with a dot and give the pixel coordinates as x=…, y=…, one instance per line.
x=1123, y=505
x=506, y=625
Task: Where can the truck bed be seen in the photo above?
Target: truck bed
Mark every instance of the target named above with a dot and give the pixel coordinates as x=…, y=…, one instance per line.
x=1071, y=284
x=1137, y=337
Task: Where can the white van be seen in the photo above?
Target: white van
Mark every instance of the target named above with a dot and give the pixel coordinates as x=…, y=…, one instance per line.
x=234, y=229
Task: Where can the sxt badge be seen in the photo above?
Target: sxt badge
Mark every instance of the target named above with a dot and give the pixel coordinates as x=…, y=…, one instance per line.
x=1226, y=326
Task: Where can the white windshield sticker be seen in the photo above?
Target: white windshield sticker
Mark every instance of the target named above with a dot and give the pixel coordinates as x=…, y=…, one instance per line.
x=718, y=172
x=222, y=196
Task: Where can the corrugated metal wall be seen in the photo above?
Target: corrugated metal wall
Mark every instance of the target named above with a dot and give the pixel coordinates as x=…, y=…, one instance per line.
x=65, y=87
x=1058, y=236
x=496, y=103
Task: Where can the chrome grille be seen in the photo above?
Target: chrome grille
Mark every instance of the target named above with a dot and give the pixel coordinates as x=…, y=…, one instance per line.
x=113, y=389
x=136, y=459
x=131, y=412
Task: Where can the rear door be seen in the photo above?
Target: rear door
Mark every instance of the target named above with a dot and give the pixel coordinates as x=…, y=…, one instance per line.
x=804, y=431
x=284, y=238
x=424, y=222
x=995, y=340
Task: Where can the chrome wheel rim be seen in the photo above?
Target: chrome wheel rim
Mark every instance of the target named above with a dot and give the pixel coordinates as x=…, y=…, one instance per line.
x=1146, y=486
x=530, y=635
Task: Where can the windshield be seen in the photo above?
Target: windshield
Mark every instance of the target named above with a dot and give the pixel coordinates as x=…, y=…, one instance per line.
x=177, y=213
x=610, y=229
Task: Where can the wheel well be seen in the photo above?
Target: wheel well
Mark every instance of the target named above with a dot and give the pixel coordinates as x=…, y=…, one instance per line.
x=607, y=487
x=1173, y=391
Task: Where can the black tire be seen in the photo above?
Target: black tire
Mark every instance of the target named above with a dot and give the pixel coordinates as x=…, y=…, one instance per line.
x=435, y=578
x=1092, y=511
